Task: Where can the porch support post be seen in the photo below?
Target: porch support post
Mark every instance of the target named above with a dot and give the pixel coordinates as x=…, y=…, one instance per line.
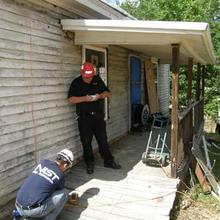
x=175, y=107
x=203, y=90
x=198, y=91
x=189, y=79
x=203, y=81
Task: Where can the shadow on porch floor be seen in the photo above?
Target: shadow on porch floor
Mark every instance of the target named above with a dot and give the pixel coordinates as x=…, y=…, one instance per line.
x=137, y=191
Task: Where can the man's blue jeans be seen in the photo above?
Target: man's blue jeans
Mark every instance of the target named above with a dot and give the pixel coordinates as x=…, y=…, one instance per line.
x=50, y=209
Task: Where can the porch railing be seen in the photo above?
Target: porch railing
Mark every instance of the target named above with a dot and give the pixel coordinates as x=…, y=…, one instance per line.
x=197, y=115
x=190, y=121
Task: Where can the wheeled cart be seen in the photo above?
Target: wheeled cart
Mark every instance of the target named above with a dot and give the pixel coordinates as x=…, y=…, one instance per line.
x=157, y=151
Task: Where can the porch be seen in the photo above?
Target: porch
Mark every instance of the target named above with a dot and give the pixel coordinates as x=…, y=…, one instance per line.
x=176, y=43
x=137, y=191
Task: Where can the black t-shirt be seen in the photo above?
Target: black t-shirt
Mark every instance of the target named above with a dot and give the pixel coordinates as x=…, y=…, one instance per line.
x=80, y=88
x=43, y=181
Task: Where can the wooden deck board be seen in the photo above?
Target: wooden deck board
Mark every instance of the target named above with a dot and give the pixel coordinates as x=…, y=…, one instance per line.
x=135, y=192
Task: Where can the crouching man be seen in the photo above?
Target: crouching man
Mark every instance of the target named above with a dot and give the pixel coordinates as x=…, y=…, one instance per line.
x=43, y=195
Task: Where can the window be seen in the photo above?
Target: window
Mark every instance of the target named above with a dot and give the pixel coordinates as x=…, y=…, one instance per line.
x=97, y=56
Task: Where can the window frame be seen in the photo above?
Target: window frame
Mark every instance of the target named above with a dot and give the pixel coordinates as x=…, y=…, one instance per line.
x=105, y=79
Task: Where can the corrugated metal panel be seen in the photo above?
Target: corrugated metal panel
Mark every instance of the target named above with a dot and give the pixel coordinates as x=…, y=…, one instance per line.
x=37, y=64
x=163, y=88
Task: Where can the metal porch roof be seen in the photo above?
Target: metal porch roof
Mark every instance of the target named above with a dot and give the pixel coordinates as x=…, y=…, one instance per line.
x=153, y=38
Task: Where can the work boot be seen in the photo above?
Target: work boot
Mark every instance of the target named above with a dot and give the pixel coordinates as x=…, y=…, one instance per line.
x=90, y=168
x=112, y=165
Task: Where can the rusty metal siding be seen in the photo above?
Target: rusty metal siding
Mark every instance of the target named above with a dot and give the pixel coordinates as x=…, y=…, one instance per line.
x=37, y=63
x=163, y=88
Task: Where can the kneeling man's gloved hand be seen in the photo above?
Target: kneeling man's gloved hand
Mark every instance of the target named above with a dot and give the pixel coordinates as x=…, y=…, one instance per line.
x=73, y=198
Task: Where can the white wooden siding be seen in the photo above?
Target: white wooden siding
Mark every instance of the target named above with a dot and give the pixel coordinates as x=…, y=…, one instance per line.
x=37, y=64
x=163, y=88
x=118, y=78
x=38, y=61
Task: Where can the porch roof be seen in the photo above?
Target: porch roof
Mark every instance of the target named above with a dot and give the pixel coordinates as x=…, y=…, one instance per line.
x=153, y=38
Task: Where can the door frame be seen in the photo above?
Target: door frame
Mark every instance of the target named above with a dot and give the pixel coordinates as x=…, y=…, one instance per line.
x=129, y=87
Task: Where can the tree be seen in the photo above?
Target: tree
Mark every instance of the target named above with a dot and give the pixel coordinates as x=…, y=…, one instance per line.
x=172, y=10
x=187, y=10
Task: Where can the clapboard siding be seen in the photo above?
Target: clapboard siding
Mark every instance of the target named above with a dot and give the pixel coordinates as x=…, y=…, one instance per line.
x=29, y=30
x=38, y=61
x=25, y=98
x=37, y=50
x=37, y=64
x=36, y=10
x=28, y=124
x=118, y=83
x=35, y=73
x=21, y=55
x=6, y=92
x=26, y=64
x=43, y=130
x=22, y=20
x=24, y=82
x=26, y=116
x=28, y=107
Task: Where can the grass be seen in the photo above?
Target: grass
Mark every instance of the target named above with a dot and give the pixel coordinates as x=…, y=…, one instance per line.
x=206, y=199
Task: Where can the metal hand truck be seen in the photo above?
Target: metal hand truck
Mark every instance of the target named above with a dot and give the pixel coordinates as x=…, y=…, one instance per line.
x=157, y=151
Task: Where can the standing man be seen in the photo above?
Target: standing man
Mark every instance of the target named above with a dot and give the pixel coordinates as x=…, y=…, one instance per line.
x=88, y=93
x=43, y=195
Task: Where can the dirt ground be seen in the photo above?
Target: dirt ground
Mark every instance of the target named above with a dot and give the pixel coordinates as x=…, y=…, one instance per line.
x=199, y=211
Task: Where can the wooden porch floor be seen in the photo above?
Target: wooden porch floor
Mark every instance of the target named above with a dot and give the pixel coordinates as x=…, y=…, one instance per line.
x=137, y=191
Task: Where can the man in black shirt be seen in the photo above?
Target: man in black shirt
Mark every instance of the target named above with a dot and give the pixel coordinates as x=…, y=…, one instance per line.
x=88, y=93
x=43, y=195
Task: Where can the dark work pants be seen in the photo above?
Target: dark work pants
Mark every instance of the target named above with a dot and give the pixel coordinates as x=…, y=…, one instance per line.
x=94, y=125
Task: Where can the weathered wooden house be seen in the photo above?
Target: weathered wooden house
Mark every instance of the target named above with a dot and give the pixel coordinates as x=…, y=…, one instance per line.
x=42, y=46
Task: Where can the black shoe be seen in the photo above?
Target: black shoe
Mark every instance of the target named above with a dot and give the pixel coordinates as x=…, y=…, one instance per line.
x=112, y=165
x=90, y=169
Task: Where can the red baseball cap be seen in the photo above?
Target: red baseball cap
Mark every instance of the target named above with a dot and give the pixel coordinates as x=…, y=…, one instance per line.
x=87, y=70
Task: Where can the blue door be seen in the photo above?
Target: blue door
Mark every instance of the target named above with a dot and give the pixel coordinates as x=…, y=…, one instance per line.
x=135, y=87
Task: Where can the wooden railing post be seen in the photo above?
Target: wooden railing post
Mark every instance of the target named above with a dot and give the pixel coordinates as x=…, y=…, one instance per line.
x=175, y=109
x=198, y=90
x=203, y=81
x=203, y=89
x=189, y=79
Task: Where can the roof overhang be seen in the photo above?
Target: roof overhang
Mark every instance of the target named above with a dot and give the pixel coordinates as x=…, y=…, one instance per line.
x=152, y=38
x=92, y=9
